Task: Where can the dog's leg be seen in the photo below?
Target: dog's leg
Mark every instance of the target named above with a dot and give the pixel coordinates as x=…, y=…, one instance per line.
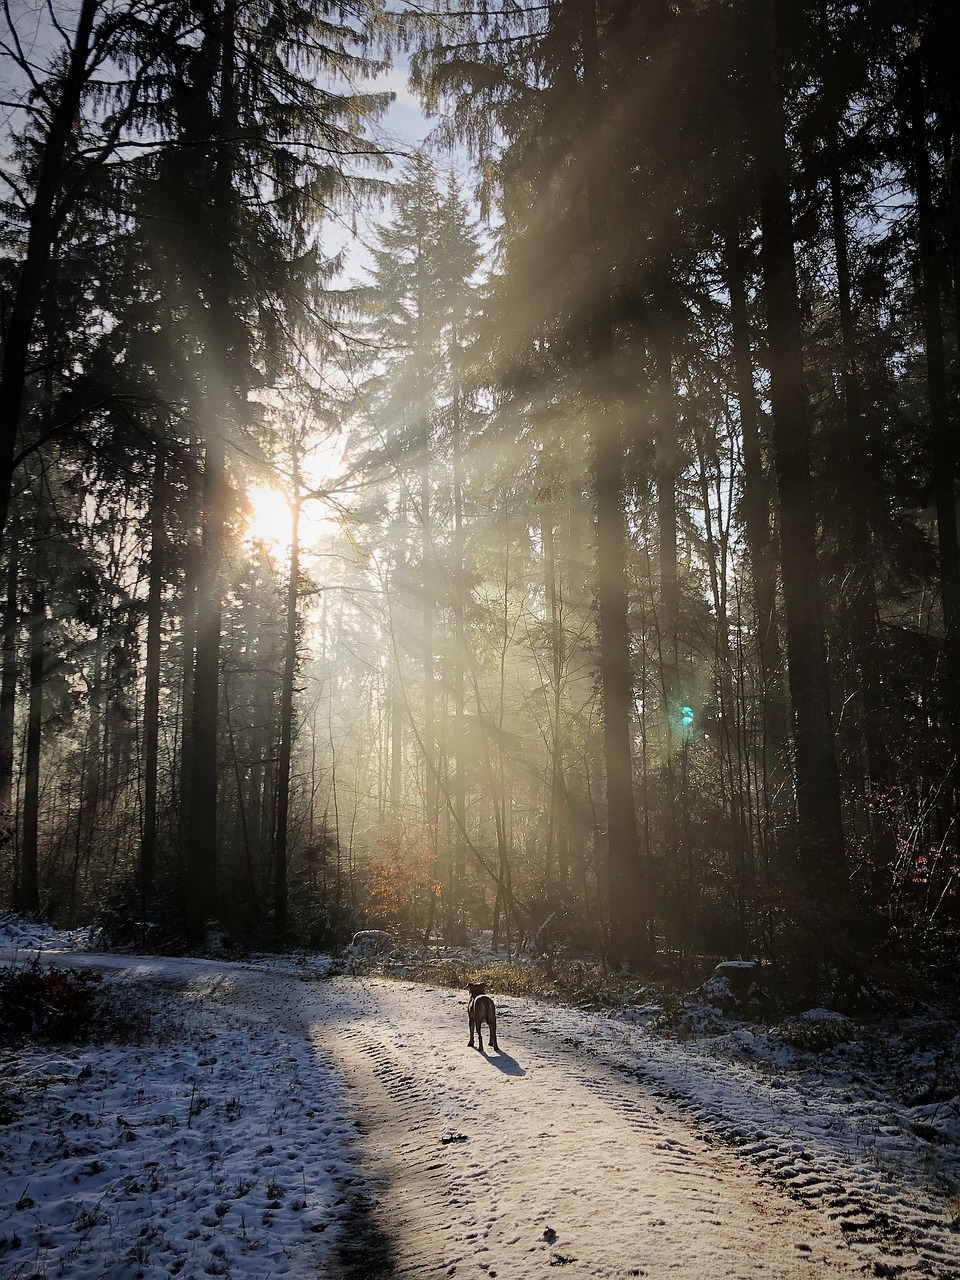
x=470, y=1018
x=493, y=1032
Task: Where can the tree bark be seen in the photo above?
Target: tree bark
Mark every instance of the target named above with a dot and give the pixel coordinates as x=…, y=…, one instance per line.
x=427, y=564
x=396, y=739
x=29, y=896
x=188, y=641
x=286, y=727
x=151, y=701
x=203, y=896
x=8, y=676
x=454, y=905
x=669, y=611
x=756, y=493
x=202, y=888
x=557, y=851
x=860, y=490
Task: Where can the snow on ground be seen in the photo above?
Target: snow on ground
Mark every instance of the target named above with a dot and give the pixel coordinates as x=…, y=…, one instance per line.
x=207, y=1146
x=589, y=1168
x=224, y=1140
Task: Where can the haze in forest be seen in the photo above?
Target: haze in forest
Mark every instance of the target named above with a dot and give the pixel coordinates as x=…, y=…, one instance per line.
x=527, y=507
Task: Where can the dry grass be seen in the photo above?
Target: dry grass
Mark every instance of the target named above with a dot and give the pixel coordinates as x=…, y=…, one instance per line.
x=573, y=982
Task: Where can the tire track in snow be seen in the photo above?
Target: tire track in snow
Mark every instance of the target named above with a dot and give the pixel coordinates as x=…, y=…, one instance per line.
x=552, y=1147
x=398, y=1224
x=899, y=1244
x=680, y=1187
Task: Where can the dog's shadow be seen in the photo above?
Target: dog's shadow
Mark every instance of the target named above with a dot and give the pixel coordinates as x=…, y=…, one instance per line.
x=503, y=1062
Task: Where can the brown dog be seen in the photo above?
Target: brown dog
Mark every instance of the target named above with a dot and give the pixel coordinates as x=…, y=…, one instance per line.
x=482, y=1009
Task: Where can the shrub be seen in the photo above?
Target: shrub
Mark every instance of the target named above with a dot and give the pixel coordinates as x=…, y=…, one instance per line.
x=817, y=1031
x=572, y=983
x=45, y=1000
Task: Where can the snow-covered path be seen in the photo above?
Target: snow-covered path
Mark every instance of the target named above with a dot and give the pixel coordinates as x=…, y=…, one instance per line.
x=541, y=1157
x=340, y=1127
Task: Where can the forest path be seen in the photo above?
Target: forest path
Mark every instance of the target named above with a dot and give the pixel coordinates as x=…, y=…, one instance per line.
x=577, y=1146
x=541, y=1156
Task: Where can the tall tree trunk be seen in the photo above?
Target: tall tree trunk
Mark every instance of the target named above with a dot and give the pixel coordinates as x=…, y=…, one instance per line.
x=41, y=234
x=93, y=767
x=427, y=570
x=398, y=701
x=669, y=611
x=770, y=753
x=286, y=726
x=202, y=887
x=735, y=788
x=427, y=567
x=454, y=906
x=756, y=494
x=8, y=675
x=861, y=493
x=203, y=896
x=557, y=852
x=576, y=519
x=188, y=652
x=821, y=846
x=256, y=795
x=396, y=738
x=29, y=897
x=151, y=701
x=498, y=771
x=628, y=936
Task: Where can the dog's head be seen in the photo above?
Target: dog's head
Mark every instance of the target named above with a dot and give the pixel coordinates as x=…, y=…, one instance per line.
x=476, y=989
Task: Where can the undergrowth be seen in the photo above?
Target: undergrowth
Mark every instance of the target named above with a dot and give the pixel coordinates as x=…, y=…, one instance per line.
x=572, y=983
x=47, y=1002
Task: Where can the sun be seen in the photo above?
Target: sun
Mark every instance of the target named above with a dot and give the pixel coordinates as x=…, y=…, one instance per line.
x=269, y=514
x=269, y=519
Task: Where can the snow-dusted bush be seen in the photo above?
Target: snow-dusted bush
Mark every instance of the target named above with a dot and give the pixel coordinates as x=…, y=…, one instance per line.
x=817, y=1030
x=45, y=1000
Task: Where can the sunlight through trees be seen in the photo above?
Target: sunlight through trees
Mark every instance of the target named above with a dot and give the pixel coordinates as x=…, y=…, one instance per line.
x=570, y=552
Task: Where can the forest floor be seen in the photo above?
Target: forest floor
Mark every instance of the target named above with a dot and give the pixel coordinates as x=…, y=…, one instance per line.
x=278, y=1118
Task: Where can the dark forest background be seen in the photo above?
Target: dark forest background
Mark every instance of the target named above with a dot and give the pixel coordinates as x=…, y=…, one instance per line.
x=618, y=605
